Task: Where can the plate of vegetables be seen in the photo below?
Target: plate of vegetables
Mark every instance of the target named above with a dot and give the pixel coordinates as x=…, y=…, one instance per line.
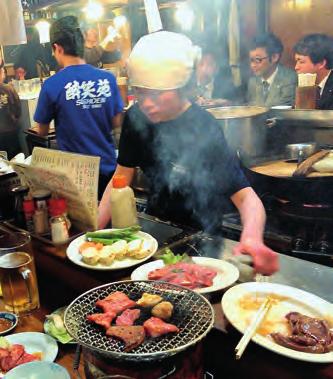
x=202, y=274
x=55, y=327
x=112, y=249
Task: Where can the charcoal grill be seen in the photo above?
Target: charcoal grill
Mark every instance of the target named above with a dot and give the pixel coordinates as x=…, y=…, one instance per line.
x=193, y=315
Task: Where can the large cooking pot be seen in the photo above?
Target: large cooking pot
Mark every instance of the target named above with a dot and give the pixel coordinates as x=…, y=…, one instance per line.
x=299, y=190
x=244, y=128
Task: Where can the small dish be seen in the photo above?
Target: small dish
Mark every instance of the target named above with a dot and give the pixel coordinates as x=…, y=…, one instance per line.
x=8, y=322
x=34, y=342
x=38, y=370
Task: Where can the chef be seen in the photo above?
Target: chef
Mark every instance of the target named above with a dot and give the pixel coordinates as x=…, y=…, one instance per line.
x=182, y=150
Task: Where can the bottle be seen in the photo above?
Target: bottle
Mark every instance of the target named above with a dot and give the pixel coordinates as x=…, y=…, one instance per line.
x=19, y=218
x=29, y=210
x=123, y=207
x=59, y=221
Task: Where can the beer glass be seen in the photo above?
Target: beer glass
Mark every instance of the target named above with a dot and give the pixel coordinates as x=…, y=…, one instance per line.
x=17, y=272
x=19, y=283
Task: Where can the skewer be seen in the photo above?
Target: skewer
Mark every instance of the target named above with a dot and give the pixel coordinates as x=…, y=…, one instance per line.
x=251, y=329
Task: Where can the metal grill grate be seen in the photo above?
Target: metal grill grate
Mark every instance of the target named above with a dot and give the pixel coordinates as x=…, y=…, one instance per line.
x=193, y=315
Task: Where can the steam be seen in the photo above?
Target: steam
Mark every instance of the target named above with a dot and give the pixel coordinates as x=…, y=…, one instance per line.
x=195, y=165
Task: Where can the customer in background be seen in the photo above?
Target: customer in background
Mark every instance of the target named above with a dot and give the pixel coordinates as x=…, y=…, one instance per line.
x=10, y=112
x=314, y=55
x=84, y=101
x=95, y=53
x=34, y=59
x=192, y=174
x=272, y=84
x=214, y=84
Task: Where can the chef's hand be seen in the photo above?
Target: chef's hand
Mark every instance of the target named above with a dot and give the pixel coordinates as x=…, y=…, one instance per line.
x=265, y=260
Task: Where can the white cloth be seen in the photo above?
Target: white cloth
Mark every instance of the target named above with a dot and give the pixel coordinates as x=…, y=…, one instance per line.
x=153, y=16
x=234, y=44
x=12, y=30
x=321, y=85
x=162, y=61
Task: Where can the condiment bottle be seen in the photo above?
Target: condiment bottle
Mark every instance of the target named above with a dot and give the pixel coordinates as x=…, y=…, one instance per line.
x=123, y=207
x=29, y=210
x=41, y=198
x=19, y=192
x=59, y=221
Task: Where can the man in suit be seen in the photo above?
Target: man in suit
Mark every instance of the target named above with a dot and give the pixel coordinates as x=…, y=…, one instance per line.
x=272, y=84
x=214, y=84
x=314, y=55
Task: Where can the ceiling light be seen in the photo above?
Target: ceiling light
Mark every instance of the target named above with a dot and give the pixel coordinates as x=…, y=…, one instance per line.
x=93, y=10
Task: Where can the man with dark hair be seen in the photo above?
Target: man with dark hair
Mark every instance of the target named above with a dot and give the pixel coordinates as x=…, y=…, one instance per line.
x=314, y=55
x=84, y=101
x=272, y=84
x=214, y=84
x=95, y=53
x=10, y=112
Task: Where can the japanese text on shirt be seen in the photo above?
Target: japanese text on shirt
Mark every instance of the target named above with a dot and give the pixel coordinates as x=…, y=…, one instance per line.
x=88, y=94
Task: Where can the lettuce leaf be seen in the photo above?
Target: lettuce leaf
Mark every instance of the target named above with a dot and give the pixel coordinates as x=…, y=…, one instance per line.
x=169, y=258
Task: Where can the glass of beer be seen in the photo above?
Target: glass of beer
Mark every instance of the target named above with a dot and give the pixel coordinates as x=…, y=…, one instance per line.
x=17, y=272
x=19, y=283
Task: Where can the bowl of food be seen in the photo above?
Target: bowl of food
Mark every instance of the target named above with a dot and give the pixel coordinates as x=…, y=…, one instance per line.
x=8, y=322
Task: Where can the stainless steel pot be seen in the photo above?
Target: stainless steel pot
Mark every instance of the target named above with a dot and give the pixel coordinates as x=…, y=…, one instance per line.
x=244, y=128
x=300, y=151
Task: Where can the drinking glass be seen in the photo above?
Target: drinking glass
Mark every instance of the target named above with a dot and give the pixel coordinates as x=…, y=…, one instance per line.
x=17, y=273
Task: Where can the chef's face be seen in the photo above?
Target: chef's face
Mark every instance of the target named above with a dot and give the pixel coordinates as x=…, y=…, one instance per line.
x=304, y=65
x=159, y=105
x=261, y=63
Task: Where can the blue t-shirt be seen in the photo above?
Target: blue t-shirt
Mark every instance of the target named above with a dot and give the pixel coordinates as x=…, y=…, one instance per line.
x=82, y=100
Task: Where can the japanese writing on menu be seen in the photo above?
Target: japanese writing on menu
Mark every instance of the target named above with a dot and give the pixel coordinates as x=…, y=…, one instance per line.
x=88, y=94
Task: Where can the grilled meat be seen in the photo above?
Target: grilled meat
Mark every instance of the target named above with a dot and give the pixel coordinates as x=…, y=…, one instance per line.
x=128, y=317
x=115, y=302
x=308, y=334
x=102, y=319
x=132, y=336
x=155, y=327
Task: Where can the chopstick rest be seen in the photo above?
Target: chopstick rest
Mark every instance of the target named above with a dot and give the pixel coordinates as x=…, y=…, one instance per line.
x=251, y=329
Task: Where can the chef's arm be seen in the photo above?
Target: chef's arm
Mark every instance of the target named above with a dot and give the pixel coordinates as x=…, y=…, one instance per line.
x=104, y=215
x=253, y=218
x=43, y=129
x=252, y=213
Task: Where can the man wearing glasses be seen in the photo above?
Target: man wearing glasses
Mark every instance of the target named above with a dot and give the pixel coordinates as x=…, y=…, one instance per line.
x=272, y=84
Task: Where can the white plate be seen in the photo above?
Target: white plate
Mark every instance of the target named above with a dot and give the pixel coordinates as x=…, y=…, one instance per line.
x=38, y=370
x=34, y=342
x=296, y=301
x=75, y=256
x=227, y=274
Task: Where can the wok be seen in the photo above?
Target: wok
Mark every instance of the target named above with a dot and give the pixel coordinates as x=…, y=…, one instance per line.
x=299, y=190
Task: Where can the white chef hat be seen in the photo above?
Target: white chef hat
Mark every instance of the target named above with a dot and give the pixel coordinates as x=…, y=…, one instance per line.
x=162, y=61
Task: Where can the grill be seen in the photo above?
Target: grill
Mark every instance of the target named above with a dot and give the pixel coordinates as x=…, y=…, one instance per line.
x=193, y=315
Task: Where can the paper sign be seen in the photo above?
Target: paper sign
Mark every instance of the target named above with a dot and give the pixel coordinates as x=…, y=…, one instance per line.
x=69, y=175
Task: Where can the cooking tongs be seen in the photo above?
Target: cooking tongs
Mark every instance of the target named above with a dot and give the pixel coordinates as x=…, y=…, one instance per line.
x=306, y=166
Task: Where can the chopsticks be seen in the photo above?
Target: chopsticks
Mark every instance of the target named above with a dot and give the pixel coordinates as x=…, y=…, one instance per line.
x=252, y=328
